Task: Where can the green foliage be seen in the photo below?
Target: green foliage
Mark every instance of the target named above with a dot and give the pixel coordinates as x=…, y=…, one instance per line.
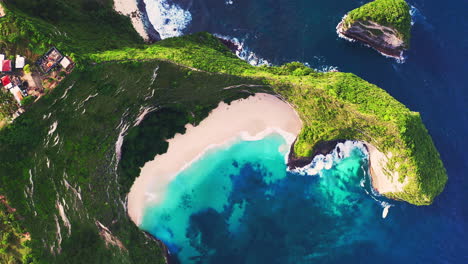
x=145, y=141
x=27, y=101
x=191, y=74
x=85, y=152
x=27, y=69
x=332, y=105
x=391, y=13
x=7, y=104
x=73, y=26
x=12, y=249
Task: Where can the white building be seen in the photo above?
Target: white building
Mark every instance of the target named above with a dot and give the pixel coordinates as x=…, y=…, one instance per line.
x=17, y=94
x=20, y=62
x=65, y=62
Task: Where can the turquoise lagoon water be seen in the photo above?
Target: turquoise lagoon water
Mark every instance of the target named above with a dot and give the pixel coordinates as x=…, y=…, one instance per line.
x=239, y=204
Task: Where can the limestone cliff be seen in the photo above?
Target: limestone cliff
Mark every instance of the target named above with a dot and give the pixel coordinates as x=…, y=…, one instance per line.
x=382, y=24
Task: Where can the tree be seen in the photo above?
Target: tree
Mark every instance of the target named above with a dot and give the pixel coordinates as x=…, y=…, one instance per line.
x=27, y=101
x=27, y=69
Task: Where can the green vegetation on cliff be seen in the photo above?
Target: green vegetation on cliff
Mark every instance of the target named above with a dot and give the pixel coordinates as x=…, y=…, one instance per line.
x=391, y=13
x=14, y=241
x=332, y=105
x=62, y=152
x=74, y=26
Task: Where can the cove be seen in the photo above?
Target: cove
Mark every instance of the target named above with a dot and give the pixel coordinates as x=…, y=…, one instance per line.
x=239, y=204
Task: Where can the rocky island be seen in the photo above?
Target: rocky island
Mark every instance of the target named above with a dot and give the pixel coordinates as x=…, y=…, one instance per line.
x=116, y=111
x=384, y=25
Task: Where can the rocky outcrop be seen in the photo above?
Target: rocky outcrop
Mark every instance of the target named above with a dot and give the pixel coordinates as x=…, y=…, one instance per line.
x=383, y=180
x=384, y=39
x=321, y=148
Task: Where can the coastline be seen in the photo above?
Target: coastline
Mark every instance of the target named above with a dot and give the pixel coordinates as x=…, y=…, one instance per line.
x=136, y=11
x=381, y=183
x=247, y=119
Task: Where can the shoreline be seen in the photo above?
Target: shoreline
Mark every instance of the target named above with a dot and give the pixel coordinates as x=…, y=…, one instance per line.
x=261, y=115
x=136, y=11
x=222, y=128
x=380, y=182
x=377, y=167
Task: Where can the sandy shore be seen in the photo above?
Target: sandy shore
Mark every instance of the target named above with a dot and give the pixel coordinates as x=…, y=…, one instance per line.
x=251, y=118
x=380, y=181
x=130, y=9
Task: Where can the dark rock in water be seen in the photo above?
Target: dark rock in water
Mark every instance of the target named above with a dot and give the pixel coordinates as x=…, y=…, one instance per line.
x=230, y=44
x=323, y=148
x=149, y=28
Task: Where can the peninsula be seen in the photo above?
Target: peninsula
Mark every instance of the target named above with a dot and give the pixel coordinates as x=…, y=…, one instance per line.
x=384, y=25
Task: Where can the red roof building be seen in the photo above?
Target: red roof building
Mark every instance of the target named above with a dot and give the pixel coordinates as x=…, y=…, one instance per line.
x=6, y=66
x=6, y=80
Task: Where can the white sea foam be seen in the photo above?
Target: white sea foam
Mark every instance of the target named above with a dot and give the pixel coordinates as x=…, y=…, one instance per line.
x=418, y=18
x=243, y=52
x=327, y=68
x=325, y=162
x=169, y=20
x=244, y=136
x=338, y=27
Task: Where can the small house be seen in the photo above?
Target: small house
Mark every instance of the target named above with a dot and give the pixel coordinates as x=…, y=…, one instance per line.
x=6, y=82
x=20, y=62
x=51, y=59
x=16, y=91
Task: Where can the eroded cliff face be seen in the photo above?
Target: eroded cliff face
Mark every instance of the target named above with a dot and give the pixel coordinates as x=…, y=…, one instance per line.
x=384, y=39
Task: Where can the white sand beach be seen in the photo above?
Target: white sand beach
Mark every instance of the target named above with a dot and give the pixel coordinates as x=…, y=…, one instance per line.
x=380, y=181
x=252, y=119
x=130, y=9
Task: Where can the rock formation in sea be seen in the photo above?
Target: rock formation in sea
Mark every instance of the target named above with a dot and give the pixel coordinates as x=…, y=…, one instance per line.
x=382, y=24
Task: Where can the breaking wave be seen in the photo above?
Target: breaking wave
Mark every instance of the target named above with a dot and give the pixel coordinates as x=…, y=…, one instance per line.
x=169, y=20
x=243, y=52
x=418, y=17
x=326, y=162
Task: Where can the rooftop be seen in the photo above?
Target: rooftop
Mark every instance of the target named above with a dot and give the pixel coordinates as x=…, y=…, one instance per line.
x=20, y=62
x=16, y=91
x=5, y=80
x=6, y=65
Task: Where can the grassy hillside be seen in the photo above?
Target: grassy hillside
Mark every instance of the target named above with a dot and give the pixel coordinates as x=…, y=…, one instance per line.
x=75, y=26
x=74, y=166
x=391, y=13
x=333, y=105
x=58, y=161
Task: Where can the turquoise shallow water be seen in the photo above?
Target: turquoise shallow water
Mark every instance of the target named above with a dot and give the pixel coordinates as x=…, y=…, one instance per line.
x=431, y=81
x=238, y=204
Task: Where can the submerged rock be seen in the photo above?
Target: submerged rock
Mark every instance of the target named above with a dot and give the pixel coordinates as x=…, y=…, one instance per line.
x=382, y=24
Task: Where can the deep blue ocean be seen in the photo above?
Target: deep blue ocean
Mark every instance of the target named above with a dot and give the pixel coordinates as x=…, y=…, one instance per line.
x=251, y=211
